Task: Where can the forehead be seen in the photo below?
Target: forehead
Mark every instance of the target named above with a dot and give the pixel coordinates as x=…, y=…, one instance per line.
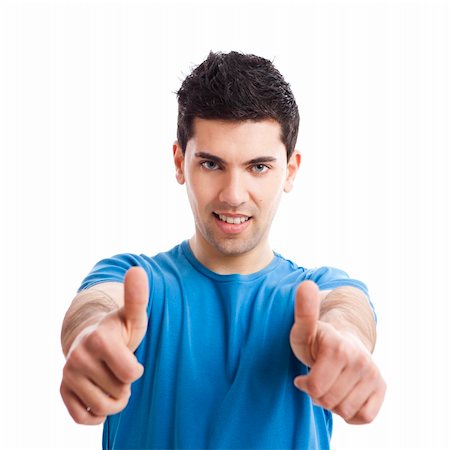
x=236, y=141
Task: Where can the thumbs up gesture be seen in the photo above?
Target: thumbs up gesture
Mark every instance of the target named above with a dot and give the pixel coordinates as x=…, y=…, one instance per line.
x=101, y=365
x=343, y=377
x=134, y=311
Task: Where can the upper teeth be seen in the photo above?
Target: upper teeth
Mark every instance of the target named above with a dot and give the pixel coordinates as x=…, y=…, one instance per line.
x=235, y=220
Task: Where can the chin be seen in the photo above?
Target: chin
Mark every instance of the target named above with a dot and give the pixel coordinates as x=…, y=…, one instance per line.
x=233, y=247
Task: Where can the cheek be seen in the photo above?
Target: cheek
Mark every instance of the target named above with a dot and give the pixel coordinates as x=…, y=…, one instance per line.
x=192, y=194
x=269, y=195
x=199, y=195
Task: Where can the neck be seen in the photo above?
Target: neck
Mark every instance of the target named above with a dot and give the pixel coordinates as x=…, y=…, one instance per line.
x=225, y=264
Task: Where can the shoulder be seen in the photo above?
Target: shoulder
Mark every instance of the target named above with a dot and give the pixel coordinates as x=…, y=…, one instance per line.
x=326, y=277
x=329, y=278
x=114, y=268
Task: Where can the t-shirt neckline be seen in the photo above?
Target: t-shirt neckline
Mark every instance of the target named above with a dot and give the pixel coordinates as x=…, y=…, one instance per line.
x=186, y=248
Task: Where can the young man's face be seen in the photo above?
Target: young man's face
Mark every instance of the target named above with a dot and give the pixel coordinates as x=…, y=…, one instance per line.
x=235, y=173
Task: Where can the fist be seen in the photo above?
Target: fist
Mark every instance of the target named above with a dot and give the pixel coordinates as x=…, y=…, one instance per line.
x=101, y=365
x=343, y=377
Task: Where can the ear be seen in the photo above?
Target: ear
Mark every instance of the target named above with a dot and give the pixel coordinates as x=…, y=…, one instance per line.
x=178, y=159
x=292, y=168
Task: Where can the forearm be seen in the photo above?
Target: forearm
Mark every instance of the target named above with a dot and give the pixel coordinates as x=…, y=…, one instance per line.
x=88, y=308
x=348, y=309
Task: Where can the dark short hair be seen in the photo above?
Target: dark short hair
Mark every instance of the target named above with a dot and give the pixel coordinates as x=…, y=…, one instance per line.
x=236, y=87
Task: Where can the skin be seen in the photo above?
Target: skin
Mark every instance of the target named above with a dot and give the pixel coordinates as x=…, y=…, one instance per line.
x=343, y=377
x=237, y=170
x=100, y=363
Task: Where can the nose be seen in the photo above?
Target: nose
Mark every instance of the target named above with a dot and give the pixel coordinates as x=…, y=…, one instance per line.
x=234, y=191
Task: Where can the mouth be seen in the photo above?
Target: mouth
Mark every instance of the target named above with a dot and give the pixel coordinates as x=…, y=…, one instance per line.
x=232, y=223
x=235, y=219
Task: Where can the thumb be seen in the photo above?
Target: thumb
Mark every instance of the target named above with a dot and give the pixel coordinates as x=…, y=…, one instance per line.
x=134, y=313
x=303, y=333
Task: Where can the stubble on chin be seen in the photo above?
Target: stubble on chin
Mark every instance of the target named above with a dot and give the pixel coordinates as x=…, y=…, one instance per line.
x=233, y=245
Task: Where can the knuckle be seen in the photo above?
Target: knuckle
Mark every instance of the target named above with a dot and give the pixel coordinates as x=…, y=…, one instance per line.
x=346, y=411
x=129, y=372
x=124, y=392
x=360, y=362
x=347, y=416
x=67, y=376
x=314, y=388
x=328, y=401
x=372, y=372
x=78, y=416
x=96, y=342
x=115, y=406
x=75, y=360
x=340, y=351
x=368, y=417
x=338, y=410
x=63, y=390
x=100, y=407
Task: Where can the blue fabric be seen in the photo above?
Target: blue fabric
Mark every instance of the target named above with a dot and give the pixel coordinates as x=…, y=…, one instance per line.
x=219, y=369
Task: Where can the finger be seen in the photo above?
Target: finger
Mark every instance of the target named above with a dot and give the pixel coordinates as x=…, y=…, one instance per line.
x=100, y=374
x=77, y=410
x=346, y=383
x=103, y=377
x=342, y=387
x=91, y=396
x=370, y=409
x=136, y=293
x=352, y=405
x=111, y=350
x=327, y=371
x=307, y=308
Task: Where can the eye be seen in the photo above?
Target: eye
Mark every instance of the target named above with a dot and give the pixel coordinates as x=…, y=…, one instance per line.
x=260, y=168
x=209, y=165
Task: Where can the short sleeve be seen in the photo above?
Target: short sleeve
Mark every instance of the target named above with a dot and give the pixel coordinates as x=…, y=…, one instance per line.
x=112, y=269
x=331, y=278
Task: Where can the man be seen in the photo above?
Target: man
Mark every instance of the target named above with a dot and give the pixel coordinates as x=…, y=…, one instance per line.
x=241, y=347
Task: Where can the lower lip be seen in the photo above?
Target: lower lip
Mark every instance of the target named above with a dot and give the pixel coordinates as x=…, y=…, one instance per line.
x=232, y=228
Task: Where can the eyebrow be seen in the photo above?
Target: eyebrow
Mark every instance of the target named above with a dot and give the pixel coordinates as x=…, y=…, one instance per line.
x=259, y=160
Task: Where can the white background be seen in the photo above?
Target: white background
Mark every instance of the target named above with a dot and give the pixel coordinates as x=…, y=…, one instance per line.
x=87, y=120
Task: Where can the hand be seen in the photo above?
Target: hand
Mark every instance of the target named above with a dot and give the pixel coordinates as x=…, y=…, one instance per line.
x=343, y=376
x=101, y=366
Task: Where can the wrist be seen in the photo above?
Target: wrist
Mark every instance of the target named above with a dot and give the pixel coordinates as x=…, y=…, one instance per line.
x=72, y=339
x=347, y=309
x=338, y=320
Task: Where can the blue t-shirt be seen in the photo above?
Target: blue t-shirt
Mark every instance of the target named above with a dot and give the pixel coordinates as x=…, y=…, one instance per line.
x=219, y=368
